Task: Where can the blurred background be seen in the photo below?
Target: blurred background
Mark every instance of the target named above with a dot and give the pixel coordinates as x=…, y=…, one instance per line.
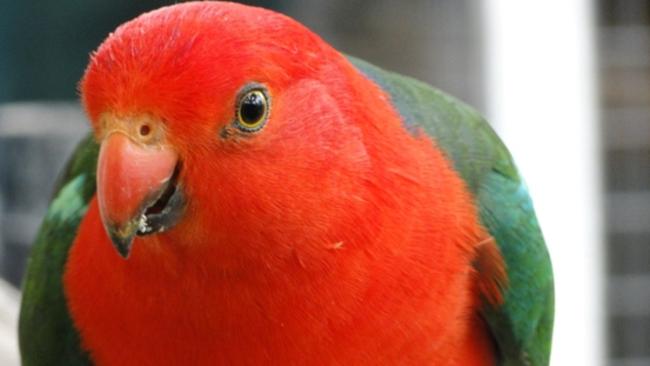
x=565, y=83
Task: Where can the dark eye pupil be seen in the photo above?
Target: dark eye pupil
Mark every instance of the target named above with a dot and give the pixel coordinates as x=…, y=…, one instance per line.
x=252, y=107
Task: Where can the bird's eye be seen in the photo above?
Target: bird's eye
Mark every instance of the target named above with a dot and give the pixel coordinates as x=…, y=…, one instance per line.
x=252, y=109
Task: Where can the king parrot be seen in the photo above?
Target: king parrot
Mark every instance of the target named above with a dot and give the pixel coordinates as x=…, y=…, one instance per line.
x=251, y=196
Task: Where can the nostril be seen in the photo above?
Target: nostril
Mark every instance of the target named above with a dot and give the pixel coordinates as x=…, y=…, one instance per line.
x=145, y=130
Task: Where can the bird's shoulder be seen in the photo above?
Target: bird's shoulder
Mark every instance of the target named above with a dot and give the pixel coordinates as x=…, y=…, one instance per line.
x=522, y=325
x=46, y=333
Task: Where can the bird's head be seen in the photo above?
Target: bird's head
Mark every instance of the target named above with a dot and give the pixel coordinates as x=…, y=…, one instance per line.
x=229, y=125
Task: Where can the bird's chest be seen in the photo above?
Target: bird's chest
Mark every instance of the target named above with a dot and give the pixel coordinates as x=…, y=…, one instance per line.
x=396, y=312
x=180, y=324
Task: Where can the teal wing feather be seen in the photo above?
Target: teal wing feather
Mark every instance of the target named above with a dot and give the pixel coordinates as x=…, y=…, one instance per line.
x=522, y=326
x=46, y=333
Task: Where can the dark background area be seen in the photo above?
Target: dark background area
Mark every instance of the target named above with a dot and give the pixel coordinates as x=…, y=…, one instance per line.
x=45, y=44
x=624, y=59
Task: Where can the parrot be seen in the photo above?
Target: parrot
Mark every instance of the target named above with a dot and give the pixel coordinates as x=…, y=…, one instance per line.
x=249, y=195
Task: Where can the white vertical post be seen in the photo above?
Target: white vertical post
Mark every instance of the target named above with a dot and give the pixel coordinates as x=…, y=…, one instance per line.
x=540, y=89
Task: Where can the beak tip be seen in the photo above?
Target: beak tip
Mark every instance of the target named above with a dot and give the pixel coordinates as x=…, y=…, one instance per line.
x=121, y=243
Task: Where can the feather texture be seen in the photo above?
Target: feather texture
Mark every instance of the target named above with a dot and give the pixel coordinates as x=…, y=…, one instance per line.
x=368, y=222
x=523, y=324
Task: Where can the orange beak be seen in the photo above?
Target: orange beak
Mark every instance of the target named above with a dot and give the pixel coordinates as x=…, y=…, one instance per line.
x=136, y=189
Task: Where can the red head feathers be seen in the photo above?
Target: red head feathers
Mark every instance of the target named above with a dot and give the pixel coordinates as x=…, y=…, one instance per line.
x=282, y=212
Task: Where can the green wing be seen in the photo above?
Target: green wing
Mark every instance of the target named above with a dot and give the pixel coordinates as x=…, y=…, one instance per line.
x=522, y=326
x=46, y=333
